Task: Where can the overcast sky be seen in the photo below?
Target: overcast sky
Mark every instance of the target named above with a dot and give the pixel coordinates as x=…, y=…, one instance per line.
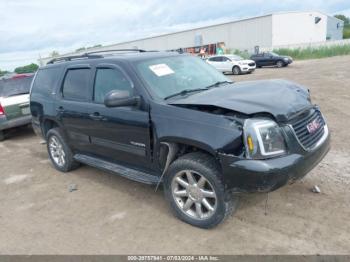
x=29, y=28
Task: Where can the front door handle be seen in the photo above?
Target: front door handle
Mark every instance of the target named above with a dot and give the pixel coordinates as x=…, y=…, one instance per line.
x=60, y=109
x=96, y=116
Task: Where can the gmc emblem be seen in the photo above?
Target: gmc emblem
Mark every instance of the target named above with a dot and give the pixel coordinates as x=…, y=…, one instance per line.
x=313, y=126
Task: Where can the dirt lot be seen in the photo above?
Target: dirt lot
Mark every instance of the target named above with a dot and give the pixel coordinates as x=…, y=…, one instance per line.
x=111, y=215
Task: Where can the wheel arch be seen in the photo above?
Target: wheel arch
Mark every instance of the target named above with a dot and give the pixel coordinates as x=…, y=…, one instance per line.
x=47, y=124
x=171, y=148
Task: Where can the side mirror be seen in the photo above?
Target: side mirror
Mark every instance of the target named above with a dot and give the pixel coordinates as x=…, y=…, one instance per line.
x=117, y=98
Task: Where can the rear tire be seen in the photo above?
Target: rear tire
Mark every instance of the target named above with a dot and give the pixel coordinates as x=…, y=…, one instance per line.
x=236, y=70
x=2, y=136
x=195, y=191
x=60, y=154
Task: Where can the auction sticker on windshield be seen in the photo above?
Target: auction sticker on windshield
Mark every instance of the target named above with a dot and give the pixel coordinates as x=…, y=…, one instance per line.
x=161, y=69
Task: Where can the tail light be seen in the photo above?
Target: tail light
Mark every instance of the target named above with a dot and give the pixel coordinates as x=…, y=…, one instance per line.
x=2, y=112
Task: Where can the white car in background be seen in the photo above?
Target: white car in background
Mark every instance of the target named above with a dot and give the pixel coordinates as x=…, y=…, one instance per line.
x=232, y=64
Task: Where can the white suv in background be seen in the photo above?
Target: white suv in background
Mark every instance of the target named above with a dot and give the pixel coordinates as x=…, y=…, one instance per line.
x=232, y=63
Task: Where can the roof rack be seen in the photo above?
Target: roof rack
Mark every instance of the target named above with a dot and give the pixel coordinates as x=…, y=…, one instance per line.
x=90, y=55
x=117, y=50
x=73, y=57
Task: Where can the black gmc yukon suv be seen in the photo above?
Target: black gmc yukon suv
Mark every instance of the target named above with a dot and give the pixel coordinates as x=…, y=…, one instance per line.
x=169, y=118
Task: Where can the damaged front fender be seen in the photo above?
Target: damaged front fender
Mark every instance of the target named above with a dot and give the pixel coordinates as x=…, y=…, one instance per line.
x=210, y=132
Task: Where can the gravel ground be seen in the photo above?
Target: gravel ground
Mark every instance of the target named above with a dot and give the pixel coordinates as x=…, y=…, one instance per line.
x=108, y=214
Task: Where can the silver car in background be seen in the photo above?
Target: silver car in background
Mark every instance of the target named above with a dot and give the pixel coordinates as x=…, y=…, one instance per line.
x=232, y=64
x=14, y=102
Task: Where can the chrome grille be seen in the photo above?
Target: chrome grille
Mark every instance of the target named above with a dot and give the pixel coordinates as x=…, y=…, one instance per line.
x=308, y=140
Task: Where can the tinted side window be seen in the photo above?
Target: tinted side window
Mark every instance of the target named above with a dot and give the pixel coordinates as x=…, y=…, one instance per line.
x=214, y=59
x=46, y=80
x=76, y=84
x=108, y=79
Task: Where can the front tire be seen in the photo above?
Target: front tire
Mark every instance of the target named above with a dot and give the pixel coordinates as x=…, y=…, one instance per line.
x=60, y=154
x=195, y=191
x=279, y=64
x=236, y=70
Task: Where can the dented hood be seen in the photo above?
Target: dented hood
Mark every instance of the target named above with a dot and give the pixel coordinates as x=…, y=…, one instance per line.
x=280, y=98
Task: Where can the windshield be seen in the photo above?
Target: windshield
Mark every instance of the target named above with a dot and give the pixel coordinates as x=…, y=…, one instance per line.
x=12, y=87
x=167, y=76
x=235, y=57
x=273, y=54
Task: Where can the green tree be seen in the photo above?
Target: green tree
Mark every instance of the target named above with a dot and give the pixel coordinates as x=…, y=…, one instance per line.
x=2, y=73
x=54, y=54
x=80, y=49
x=27, y=69
x=344, y=18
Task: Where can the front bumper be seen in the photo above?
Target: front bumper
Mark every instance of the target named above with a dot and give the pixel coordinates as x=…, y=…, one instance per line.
x=289, y=61
x=20, y=121
x=243, y=175
x=247, y=68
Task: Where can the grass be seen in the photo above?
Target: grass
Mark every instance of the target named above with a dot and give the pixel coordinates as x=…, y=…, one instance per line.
x=314, y=53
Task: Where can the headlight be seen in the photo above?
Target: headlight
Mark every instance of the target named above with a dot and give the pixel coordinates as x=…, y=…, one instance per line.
x=263, y=139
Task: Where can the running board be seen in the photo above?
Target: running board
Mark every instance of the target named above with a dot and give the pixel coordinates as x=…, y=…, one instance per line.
x=123, y=171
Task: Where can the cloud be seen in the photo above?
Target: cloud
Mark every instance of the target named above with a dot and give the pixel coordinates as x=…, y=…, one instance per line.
x=32, y=27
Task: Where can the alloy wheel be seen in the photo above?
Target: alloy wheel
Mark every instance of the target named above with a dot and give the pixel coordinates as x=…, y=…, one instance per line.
x=194, y=194
x=57, y=152
x=236, y=70
x=279, y=64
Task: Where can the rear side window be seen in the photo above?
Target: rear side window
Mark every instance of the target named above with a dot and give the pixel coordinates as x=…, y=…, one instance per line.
x=216, y=59
x=76, y=84
x=46, y=80
x=108, y=79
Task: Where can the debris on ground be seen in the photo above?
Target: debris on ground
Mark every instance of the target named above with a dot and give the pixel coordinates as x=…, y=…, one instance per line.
x=72, y=187
x=316, y=189
x=42, y=142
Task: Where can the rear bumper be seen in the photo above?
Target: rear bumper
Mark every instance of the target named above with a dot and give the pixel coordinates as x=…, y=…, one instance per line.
x=243, y=175
x=20, y=121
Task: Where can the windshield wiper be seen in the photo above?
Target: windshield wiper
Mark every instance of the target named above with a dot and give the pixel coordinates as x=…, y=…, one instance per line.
x=185, y=92
x=219, y=83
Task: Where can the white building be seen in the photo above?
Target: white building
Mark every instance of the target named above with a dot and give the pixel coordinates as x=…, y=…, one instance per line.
x=268, y=31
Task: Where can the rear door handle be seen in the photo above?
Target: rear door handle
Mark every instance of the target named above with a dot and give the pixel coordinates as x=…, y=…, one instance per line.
x=96, y=116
